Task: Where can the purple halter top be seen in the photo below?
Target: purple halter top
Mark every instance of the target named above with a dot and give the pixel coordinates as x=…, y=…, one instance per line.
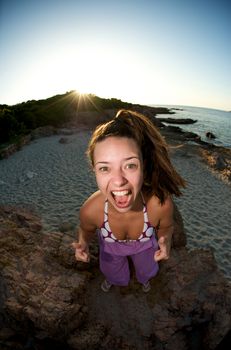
x=107, y=235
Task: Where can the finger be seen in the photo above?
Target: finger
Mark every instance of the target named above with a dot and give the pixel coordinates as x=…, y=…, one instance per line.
x=82, y=256
x=81, y=252
x=76, y=245
x=157, y=255
x=160, y=255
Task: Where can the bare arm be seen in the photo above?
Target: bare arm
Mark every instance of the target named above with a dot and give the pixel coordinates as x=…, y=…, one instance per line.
x=86, y=231
x=82, y=245
x=165, y=231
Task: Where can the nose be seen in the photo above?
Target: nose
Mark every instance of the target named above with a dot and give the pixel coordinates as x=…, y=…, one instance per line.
x=118, y=178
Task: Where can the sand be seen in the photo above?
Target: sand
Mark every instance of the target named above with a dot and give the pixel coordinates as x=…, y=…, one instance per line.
x=55, y=179
x=205, y=205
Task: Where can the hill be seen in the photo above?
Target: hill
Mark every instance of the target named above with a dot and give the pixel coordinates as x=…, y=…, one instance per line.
x=20, y=119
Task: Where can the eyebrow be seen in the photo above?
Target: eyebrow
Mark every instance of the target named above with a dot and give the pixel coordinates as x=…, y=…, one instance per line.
x=124, y=160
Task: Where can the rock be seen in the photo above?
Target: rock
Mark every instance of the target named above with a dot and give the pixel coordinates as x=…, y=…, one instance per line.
x=175, y=129
x=48, y=300
x=220, y=163
x=177, y=120
x=219, y=159
x=192, y=289
x=191, y=136
x=63, y=140
x=40, y=286
x=180, y=134
x=210, y=135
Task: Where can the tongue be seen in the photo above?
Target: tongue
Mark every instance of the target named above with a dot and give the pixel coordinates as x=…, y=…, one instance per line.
x=121, y=199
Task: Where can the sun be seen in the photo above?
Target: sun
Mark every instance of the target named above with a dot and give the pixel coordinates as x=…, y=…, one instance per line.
x=84, y=100
x=81, y=93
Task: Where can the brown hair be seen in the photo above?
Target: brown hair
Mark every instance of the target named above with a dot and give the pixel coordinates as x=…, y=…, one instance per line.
x=160, y=177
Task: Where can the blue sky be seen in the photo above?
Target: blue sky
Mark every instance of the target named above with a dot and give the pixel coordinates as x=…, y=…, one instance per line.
x=164, y=52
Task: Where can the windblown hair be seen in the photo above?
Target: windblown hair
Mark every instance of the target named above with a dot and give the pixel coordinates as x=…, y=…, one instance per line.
x=160, y=177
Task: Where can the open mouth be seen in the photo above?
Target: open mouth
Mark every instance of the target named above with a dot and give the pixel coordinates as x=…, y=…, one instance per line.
x=121, y=198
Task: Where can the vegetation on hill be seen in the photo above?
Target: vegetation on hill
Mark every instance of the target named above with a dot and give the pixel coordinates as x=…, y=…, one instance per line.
x=20, y=119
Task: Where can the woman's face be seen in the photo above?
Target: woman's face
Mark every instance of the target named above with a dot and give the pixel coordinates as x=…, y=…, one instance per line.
x=118, y=169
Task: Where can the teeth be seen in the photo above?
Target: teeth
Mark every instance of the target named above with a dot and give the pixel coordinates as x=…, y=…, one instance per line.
x=120, y=193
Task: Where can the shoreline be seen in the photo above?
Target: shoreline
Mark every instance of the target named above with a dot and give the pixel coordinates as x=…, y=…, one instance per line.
x=217, y=158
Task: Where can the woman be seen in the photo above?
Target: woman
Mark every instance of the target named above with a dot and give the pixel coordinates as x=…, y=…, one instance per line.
x=132, y=211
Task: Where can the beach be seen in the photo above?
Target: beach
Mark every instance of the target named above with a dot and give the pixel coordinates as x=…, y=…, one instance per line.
x=55, y=178
x=204, y=206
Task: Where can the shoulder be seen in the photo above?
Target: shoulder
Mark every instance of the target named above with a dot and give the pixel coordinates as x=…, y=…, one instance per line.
x=159, y=210
x=92, y=209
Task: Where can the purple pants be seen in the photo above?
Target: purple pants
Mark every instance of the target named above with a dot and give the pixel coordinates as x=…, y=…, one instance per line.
x=114, y=262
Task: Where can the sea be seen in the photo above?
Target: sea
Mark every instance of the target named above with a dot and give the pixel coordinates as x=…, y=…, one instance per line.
x=208, y=120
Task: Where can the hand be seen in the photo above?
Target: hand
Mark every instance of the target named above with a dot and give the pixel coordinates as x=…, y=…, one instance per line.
x=81, y=251
x=164, y=249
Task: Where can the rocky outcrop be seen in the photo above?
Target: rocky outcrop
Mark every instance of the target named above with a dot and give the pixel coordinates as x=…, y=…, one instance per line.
x=175, y=132
x=178, y=120
x=219, y=159
x=40, y=287
x=48, y=300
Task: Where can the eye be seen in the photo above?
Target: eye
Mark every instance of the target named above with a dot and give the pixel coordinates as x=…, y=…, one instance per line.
x=131, y=166
x=103, y=169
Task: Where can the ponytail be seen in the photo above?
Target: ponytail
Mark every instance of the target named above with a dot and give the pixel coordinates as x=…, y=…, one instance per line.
x=160, y=177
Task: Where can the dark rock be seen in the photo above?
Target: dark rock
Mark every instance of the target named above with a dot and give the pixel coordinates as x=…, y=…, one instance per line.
x=177, y=120
x=210, y=135
x=191, y=136
x=180, y=134
x=175, y=129
x=63, y=140
x=39, y=283
x=220, y=163
x=48, y=300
